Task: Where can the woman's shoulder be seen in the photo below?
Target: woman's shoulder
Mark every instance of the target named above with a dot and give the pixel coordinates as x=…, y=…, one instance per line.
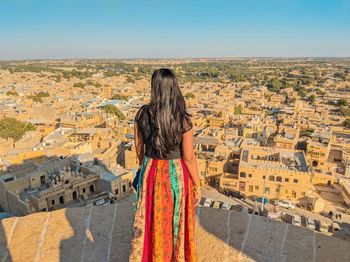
x=187, y=124
x=140, y=112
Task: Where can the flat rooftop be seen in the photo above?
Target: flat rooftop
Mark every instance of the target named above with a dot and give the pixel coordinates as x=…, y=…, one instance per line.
x=206, y=140
x=114, y=173
x=278, y=159
x=92, y=130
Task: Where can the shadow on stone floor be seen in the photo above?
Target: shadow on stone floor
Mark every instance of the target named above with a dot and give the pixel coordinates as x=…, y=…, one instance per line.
x=6, y=232
x=100, y=233
x=254, y=238
x=104, y=234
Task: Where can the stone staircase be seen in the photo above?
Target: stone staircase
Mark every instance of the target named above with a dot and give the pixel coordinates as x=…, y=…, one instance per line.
x=103, y=233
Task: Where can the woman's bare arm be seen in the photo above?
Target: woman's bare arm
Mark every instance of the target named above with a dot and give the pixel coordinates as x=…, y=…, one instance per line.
x=189, y=156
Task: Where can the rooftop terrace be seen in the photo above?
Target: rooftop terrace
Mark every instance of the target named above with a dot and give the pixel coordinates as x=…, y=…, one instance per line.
x=276, y=159
x=103, y=233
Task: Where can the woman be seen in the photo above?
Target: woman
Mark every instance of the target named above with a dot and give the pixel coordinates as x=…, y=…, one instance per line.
x=168, y=186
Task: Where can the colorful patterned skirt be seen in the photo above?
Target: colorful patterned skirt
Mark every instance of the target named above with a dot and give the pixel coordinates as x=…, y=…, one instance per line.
x=164, y=221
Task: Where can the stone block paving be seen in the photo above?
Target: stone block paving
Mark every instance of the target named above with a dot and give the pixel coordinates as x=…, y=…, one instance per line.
x=103, y=233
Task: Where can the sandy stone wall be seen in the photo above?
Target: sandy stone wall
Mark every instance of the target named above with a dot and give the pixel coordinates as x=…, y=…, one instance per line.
x=103, y=233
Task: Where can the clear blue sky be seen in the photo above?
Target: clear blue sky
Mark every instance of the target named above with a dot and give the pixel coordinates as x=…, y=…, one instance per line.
x=178, y=28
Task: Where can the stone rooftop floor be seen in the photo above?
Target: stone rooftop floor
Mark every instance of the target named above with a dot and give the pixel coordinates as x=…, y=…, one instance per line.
x=103, y=233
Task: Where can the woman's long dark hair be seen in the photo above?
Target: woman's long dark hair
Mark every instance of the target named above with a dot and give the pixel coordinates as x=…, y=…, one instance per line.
x=167, y=110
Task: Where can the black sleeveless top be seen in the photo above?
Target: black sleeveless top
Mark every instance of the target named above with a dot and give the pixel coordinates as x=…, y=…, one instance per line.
x=142, y=118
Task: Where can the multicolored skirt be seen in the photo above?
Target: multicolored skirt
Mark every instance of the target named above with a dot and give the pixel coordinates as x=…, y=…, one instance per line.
x=164, y=221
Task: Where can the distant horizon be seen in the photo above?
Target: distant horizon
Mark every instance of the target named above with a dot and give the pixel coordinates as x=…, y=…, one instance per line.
x=177, y=58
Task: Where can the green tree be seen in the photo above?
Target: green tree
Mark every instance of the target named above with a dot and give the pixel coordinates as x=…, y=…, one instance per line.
x=345, y=111
x=189, y=95
x=114, y=110
x=79, y=84
x=12, y=128
x=347, y=123
x=306, y=132
x=342, y=102
x=43, y=94
x=11, y=93
x=301, y=90
x=320, y=92
x=311, y=99
x=340, y=75
x=119, y=97
x=37, y=96
x=275, y=85
x=302, y=93
x=289, y=100
x=238, y=110
x=130, y=79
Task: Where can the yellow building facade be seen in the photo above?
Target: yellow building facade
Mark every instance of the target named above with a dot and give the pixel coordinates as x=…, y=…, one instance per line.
x=276, y=172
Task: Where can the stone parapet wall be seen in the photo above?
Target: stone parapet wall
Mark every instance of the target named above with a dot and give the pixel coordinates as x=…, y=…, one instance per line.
x=103, y=233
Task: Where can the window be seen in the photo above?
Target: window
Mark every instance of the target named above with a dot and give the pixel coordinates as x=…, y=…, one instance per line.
x=8, y=179
x=42, y=180
x=267, y=190
x=241, y=186
x=83, y=190
x=250, y=175
x=116, y=191
x=129, y=184
x=213, y=169
x=242, y=174
x=229, y=184
x=124, y=188
x=286, y=180
x=271, y=178
x=295, y=180
x=303, y=193
x=250, y=188
x=279, y=179
x=53, y=202
x=256, y=187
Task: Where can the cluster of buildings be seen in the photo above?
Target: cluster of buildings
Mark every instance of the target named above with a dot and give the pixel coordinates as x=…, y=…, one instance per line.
x=58, y=183
x=247, y=138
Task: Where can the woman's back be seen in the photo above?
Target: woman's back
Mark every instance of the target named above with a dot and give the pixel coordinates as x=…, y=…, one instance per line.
x=146, y=127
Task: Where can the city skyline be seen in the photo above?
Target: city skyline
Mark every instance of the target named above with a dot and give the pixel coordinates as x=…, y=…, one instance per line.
x=120, y=29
